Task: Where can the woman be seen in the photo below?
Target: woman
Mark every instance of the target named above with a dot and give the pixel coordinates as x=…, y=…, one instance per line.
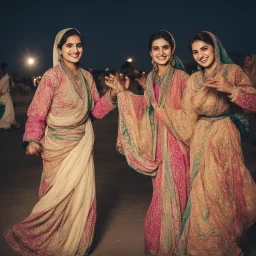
x=151, y=149
x=249, y=68
x=222, y=203
x=59, y=128
x=7, y=115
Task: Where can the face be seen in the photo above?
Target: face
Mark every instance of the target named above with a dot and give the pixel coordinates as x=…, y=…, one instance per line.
x=161, y=51
x=72, y=50
x=248, y=62
x=203, y=54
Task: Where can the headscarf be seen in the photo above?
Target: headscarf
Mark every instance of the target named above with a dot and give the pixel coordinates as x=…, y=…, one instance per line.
x=58, y=37
x=221, y=56
x=237, y=115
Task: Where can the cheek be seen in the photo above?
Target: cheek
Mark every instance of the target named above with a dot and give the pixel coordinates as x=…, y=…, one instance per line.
x=195, y=57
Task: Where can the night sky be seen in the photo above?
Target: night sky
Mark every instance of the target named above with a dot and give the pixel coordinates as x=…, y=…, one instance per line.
x=114, y=32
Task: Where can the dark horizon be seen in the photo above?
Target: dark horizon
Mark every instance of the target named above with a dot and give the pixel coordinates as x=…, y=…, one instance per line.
x=114, y=32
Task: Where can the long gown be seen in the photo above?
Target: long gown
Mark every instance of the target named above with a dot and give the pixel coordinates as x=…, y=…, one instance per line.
x=151, y=149
x=62, y=222
x=222, y=203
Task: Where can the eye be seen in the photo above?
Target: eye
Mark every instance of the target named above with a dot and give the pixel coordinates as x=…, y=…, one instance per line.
x=194, y=52
x=204, y=48
x=79, y=45
x=69, y=45
x=166, y=47
x=155, y=48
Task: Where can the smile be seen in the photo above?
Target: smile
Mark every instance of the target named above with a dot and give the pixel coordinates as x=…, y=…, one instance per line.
x=204, y=59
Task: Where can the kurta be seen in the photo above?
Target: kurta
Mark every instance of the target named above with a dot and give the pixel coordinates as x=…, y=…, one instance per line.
x=151, y=149
x=222, y=203
x=62, y=222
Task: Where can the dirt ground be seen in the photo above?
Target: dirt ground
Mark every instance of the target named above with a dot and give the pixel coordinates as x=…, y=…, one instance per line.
x=123, y=195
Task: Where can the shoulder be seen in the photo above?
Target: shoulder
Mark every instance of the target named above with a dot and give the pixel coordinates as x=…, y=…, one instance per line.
x=181, y=74
x=87, y=74
x=52, y=77
x=195, y=75
x=53, y=72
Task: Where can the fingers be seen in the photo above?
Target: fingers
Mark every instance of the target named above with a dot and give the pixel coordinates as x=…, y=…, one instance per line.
x=213, y=80
x=210, y=85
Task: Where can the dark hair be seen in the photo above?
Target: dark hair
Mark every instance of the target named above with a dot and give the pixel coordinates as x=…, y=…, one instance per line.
x=201, y=36
x=67, y=34
x=248, y=55
x=160, y=34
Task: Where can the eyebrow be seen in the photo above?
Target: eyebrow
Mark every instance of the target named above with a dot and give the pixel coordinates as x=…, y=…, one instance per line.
x=161, y=45
x=74, y=43
x=200, y=48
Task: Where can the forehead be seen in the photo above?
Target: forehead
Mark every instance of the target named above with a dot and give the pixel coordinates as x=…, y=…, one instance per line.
x=199, y=44
x=160, y=42
x=73, y=39
x=248, y=58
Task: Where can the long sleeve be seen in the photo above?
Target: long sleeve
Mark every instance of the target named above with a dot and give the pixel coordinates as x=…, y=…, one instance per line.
x=136, y=133
x=244, y=94
x=103, y=105
x=180, y=122
x=38, y=109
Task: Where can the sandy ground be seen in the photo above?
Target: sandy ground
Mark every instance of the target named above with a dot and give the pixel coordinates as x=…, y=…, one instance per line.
x=123, y=195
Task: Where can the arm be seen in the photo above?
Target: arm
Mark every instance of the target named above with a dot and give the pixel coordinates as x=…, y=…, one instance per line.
x=103, y=105
x=38, y=110
x=244, y=94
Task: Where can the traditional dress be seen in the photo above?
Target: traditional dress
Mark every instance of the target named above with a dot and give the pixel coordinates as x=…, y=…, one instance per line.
x=7, y=115
x=222, y=203
x=62, y=222
x=151, y=149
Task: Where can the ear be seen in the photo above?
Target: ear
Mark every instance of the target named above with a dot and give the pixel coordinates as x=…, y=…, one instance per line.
x=59, y=51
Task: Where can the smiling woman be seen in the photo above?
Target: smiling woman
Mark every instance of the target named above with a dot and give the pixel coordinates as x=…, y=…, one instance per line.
x=222, y=203
x=59, y=128
x=151, y=148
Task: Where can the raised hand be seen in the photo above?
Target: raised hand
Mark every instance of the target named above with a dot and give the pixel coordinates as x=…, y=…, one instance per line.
x=117, y=83
x=34, y=148
x=220, y=83
x=142, y=80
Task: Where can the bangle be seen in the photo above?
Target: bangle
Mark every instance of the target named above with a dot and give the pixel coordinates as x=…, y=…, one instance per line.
x=25, y=143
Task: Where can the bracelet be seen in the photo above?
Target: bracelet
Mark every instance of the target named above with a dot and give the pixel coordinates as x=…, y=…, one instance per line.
x=25, y=143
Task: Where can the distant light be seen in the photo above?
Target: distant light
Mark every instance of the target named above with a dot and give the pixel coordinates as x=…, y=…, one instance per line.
x=31, y=61
x=143, y=72
x=129, y=60
x=106, y=69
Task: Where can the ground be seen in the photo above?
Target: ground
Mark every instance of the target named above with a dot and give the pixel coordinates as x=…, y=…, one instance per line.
x=123, y=195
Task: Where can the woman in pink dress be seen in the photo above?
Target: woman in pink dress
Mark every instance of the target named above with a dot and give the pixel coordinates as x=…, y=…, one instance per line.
x=59, y=128
x=150, y=147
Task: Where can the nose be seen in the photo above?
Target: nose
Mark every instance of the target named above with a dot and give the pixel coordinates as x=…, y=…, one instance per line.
x=75, y=48
x=199, y=55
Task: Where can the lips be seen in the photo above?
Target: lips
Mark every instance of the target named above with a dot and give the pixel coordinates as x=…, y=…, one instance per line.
x=74, y=55
x=161, y=57
x=204, y=60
